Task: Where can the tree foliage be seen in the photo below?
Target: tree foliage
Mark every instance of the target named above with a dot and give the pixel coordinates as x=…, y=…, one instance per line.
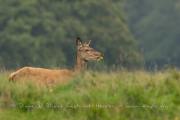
x=155, y=24
x=42, y=32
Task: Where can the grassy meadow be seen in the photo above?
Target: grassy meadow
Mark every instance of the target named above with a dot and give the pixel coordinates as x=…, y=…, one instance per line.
x=121, y=95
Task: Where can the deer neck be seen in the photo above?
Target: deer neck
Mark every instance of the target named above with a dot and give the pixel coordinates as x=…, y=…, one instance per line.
x=81, y=64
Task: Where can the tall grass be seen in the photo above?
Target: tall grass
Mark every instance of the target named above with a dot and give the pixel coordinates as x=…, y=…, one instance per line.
x=120, y=95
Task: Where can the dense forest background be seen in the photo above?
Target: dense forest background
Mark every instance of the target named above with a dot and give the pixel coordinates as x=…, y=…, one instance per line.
x=130, y=33
x=155, y=25
x=43, y=32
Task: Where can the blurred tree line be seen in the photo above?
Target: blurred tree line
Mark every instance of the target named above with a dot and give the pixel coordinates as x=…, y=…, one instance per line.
x=155, y=24
x=42, y=32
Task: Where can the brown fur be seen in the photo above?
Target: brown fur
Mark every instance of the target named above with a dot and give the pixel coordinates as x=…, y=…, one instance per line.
x=42, y=75
x=50, y=76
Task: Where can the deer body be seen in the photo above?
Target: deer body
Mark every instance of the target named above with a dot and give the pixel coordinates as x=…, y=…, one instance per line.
x=42, y=75
x=52, y=76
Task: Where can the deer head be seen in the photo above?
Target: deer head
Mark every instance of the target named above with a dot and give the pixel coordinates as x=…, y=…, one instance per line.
x=87, y=53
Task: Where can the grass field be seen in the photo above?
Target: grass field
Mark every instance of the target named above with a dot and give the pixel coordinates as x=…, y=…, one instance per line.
x=121, y=95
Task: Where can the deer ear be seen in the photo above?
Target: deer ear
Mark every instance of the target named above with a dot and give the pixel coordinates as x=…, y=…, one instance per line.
x=89, y=42
x=78, y=41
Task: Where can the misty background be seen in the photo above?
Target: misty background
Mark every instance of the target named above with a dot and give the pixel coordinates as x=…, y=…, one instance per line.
x=130, y=33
